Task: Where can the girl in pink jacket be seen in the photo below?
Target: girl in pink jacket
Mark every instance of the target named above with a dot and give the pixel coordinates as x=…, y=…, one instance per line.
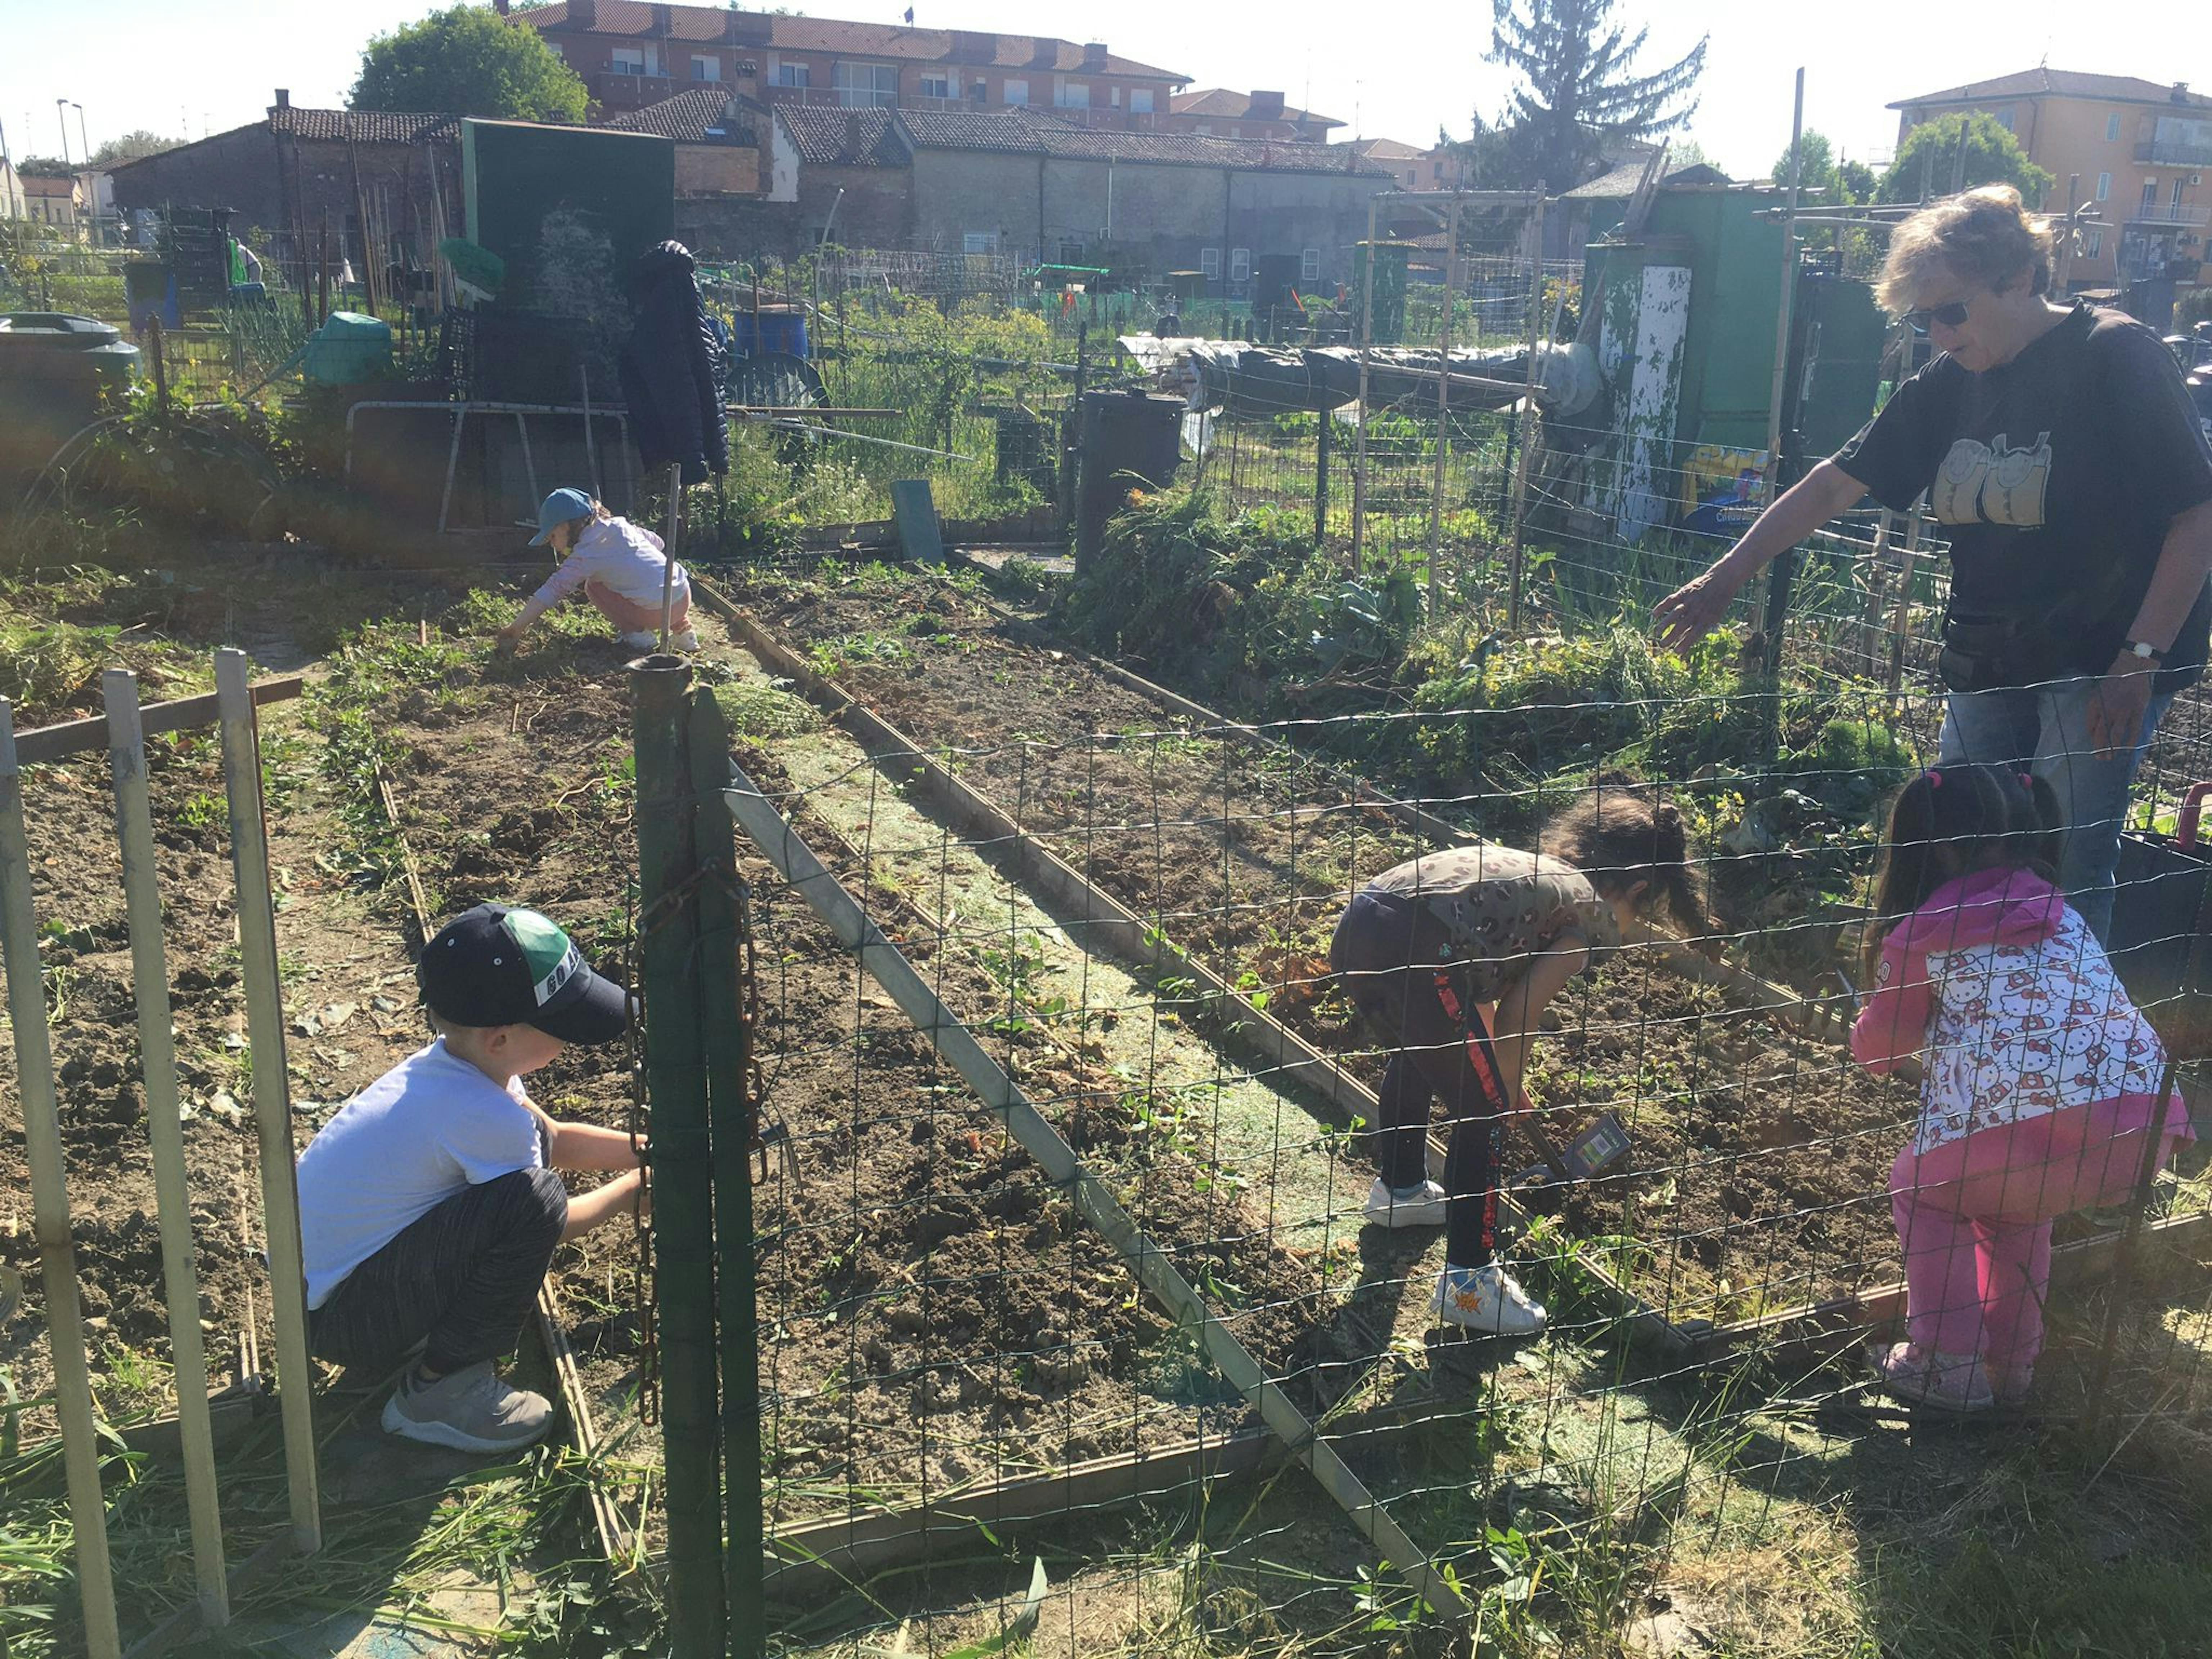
x=2042, y=1077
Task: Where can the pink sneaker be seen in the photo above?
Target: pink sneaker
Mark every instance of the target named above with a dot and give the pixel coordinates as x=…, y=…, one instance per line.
x=1924, y=1377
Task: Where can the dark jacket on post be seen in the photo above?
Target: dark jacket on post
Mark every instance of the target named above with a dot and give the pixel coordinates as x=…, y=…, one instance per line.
x=671, y=369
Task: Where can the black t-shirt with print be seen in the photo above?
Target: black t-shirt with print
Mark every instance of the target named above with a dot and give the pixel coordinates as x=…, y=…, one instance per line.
x=2056, y=477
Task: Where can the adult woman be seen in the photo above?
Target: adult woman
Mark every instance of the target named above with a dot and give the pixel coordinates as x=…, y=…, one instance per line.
x=2060, y=454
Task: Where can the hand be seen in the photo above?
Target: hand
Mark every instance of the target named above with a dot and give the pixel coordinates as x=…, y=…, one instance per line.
x=2116, y=706
x=1695, y=609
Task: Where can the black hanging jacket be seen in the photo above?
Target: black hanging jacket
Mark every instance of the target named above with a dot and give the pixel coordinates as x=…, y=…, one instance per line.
x=669, y=375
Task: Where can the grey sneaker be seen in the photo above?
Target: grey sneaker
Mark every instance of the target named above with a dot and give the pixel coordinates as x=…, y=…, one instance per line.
x=686, y=641
x=470, y=1410
x=639, y=640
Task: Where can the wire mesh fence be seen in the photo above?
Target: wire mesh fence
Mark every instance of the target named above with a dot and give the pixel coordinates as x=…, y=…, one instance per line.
x=1134, y=914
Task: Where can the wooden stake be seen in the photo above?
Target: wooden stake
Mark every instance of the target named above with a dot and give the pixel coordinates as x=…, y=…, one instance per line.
x=272, y=1092
x=1524, y=418
x=1367, y=343
x=165, y=1129
x=49, y=1215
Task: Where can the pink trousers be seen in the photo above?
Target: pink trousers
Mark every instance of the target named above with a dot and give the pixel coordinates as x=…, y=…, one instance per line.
x=1973, y=1218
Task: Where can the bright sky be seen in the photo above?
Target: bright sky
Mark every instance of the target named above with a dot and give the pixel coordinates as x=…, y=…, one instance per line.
x=194, y=65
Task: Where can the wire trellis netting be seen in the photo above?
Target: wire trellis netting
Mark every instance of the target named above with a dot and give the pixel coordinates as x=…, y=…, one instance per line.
x=1130, y=906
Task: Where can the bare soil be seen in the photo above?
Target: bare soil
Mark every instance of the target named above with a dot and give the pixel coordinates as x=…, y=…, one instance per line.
x=1758, y=1176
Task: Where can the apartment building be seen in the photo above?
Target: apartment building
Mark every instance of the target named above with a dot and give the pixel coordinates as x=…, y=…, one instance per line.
x=2141, y=150
x=1218, y=112
x=631, y=54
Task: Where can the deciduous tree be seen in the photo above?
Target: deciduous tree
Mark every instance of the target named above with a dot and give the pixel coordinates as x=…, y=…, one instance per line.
x=468, y=61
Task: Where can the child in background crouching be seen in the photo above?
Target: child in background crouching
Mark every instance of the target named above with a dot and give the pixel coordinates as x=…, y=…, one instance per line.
x=620, y=567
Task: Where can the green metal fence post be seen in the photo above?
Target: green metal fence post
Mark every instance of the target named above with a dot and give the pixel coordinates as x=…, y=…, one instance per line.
x=722, y=981
x=682, y=1174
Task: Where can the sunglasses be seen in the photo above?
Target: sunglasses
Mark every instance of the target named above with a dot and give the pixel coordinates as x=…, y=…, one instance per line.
x=1950, y=316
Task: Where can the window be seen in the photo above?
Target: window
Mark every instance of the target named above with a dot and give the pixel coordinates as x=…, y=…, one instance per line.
x=1206, y=128
x=1141, y=100
x=1075, y=95
x=793, y=75
x=2149, y=197
x=978, y=241
x=707, y=69
x=1310, y=265
x=2002, y=117
x=628, y=60
x=1209, y=263
x=1017, y=94
x=2177, y=198
x=1113, y=97
x=2095, y=245
x=2111, y=128
x=2104, y=186
x=1071, y=250
x=938, y=83
x=863, y=86
x=1240, y=264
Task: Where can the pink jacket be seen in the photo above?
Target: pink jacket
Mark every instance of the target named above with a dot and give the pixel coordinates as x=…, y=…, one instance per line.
x=2015, y=1005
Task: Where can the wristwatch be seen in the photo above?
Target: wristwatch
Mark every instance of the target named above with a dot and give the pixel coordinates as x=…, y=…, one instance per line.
x=2144, y=649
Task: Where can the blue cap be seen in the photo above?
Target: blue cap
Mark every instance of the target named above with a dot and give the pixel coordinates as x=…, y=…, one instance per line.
x=560, y=506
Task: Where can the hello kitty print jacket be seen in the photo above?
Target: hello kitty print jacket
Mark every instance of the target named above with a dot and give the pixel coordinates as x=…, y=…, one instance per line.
x=2014, y=1004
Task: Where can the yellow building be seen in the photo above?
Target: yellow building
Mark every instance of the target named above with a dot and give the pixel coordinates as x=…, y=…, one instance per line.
x=2141, y=151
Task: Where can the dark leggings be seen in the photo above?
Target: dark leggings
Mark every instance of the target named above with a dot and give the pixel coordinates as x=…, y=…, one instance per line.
x=1388, y=951
x=462, y=1278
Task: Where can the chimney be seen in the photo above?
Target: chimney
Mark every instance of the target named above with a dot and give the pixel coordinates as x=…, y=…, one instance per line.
x=1094, y=55
x=2181, y=92
x=284, y=98
x=584, y=14
x=499, y=6
x=1265, y=107
x=747, y=28
x=973, y=46
x=661, y=22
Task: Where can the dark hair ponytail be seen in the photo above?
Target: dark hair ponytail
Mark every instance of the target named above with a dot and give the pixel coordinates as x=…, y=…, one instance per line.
x=1952, y=821
x=1617, y=835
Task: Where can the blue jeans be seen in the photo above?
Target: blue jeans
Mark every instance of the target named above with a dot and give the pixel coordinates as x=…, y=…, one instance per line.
x=2044, y=729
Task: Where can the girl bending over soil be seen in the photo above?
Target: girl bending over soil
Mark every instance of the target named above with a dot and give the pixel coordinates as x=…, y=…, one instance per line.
x=1451, y=960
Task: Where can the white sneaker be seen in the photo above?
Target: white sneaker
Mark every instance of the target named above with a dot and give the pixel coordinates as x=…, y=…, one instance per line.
x=473, y=1409
x=1427, y=1208
x=687, y=641
x=1486, y=1299
x=641, y=641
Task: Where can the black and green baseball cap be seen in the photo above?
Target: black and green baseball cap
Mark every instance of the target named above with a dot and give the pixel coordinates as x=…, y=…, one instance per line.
x=498, y=966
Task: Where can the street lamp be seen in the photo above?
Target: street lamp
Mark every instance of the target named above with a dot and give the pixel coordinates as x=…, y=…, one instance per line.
x=79, y=108
x=61, y=114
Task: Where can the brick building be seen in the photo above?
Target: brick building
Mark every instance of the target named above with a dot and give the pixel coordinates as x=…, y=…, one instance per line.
x=1218, y=112
x=2139, y=149
x=631, y=54
x=298, y=169
x=717, y=136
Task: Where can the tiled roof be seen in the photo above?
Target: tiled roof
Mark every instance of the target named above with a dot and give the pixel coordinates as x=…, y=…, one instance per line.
x=844, y=137
x=1219, y=103
x=2064, y=83
x=767, y=31
x=1386, y=150
x=701, y=116
x=1039, y=132
x=364, y=126
x=34, y=184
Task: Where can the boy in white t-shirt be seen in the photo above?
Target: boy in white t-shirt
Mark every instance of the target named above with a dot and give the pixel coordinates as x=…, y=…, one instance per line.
x=428, y=1205
x=622, y=568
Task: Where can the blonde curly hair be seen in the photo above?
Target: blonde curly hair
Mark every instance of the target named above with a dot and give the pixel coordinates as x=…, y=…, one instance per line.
x=1984, y=236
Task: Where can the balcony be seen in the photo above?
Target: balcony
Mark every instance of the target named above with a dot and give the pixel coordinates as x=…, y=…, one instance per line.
x=1107, y=120
x=615, y=89
x=2158, y=217
x=2174, y=155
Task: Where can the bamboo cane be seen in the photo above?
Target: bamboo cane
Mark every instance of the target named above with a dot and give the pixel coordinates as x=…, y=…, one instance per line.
x=165, y=1129
x=272, y=1094
x=50, y=1217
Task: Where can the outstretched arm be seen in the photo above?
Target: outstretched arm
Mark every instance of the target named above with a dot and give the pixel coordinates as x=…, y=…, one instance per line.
x=1893, y=1026
x=1514, y=1033
x=1693, y=609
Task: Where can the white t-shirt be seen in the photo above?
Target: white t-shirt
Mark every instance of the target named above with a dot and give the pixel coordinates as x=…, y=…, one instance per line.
x=431, y=1126
x=620, y=556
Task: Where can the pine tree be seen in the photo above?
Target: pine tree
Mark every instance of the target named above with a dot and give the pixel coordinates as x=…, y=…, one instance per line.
x=1579, y=89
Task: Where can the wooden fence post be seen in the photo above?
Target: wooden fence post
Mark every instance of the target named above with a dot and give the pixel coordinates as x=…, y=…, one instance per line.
x=679, y=1162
